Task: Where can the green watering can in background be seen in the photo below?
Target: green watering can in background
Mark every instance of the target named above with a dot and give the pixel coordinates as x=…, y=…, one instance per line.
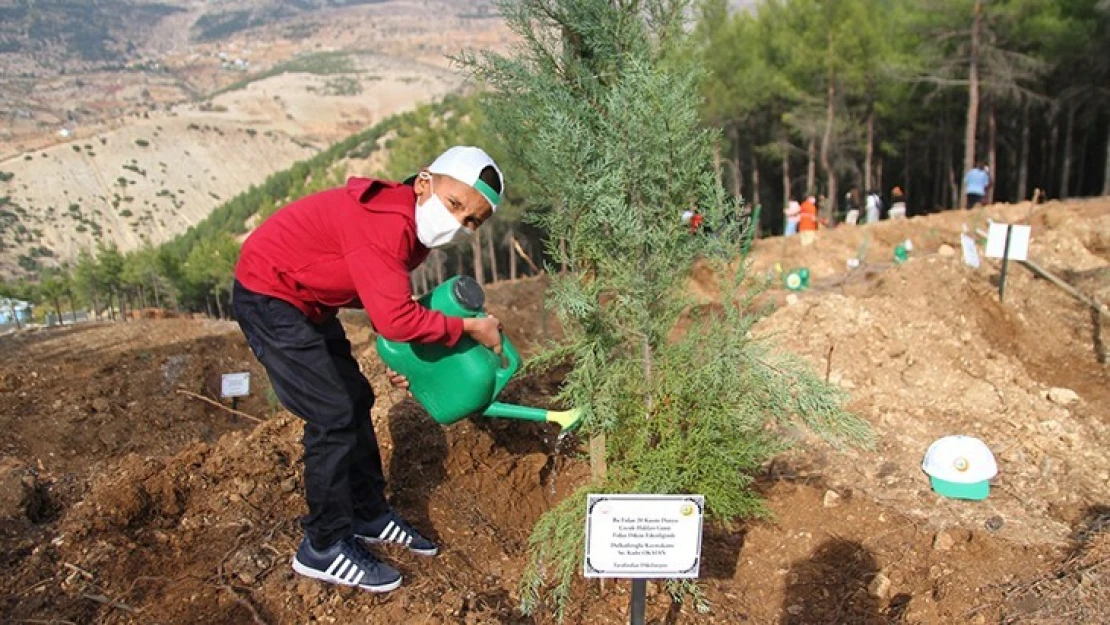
x=455, y=382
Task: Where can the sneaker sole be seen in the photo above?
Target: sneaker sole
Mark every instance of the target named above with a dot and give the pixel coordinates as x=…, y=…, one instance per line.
x=301, y=569
x=420, y=552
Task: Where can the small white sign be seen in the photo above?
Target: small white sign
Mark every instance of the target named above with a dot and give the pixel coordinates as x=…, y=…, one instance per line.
x=643, y=536
x=235, y=384
x=1019, y=241
x=971, y=253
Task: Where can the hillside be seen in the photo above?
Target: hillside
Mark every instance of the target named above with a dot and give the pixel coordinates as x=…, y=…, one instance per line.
x=126, y=501
x=146, y=143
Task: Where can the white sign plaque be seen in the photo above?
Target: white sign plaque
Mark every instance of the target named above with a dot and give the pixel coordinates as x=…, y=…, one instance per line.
x=1019, y=241
x=971, y=253
x=643, y=536
x=235, y=384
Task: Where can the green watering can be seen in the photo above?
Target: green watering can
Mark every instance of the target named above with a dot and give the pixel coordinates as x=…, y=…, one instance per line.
x=455, y=382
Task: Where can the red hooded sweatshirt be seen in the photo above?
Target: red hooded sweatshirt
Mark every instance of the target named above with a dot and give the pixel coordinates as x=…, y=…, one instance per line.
x=350, y=247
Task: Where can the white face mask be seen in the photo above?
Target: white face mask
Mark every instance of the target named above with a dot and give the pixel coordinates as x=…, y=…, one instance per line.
x=435, y=225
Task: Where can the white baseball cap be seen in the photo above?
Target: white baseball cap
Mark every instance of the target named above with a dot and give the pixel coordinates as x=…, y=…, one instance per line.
x=465, y=164
x=960, y=467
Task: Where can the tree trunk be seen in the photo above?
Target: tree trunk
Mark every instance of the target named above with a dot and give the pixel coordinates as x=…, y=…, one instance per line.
x=1053, y=143
x=111, y=308
x=755, y=180
x=786, y=195
x=954, y=187
x=716, y=166
x=906, y=176
x=992, y=155
x=58, y=311
x=458, y=260
x=476, y=257
x=512, y=252
x=828, y=210
x=491, y=248
x=869, y=150
x=1023, y=158
x=440, y=261
x=972, y=97
x=811, y=165
x=219, y=305
x=1106, y=166
x=1065, y=174
x=120, y=297
x=1080, y=187
x=738, y=178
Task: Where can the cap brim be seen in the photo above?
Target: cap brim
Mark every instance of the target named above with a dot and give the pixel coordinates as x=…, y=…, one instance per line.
x=957, y=490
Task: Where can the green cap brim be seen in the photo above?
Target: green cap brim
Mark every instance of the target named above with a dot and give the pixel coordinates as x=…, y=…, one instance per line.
x=956, y=490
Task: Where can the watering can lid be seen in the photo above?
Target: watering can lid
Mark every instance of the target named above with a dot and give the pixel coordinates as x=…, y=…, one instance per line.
x=468, y=293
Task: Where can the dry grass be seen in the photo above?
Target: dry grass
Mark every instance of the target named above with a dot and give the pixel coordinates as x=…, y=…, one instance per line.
x=1078, y=591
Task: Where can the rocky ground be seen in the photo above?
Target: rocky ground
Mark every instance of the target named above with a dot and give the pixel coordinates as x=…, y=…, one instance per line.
x=128, y=501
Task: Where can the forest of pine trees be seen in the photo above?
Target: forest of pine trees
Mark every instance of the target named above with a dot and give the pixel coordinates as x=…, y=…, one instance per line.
x=810, y=97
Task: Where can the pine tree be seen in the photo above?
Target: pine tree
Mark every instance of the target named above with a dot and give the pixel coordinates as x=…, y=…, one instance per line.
x=600, y=109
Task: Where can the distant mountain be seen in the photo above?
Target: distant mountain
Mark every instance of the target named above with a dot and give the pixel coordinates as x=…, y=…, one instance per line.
x=96, y=33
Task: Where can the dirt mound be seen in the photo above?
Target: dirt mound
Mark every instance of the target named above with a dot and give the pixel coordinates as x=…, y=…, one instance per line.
x=927, y=350
x=131, y=503
x=1066, y=236
x=70, y=398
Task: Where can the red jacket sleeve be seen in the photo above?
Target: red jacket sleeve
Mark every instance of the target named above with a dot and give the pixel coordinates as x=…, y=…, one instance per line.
x=382, y=282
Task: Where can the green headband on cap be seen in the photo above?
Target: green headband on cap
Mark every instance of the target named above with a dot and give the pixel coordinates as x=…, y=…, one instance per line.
x=486, y=190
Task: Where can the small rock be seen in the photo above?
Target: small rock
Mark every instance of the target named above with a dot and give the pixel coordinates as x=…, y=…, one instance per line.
x=943, y=541
x=946, y=250
x=795, y=609
x=832, y=499
x=879, y=587
x=791, y=299
x=1062, y=396
x=101, y=405
x=994, y=523
x=289, y=484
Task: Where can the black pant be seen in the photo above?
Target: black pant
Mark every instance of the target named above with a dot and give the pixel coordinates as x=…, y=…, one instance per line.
x=973, y=199
x=315, y=376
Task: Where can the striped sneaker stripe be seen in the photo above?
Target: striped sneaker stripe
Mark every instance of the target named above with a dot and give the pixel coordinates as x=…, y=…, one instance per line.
x=347, y=566
x=387, y=531
x=358, y=578
x=339, y=560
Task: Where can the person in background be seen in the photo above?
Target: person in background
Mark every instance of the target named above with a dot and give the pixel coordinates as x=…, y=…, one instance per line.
x=976, y=182
x=874, y=207
x=353, y=247
x=792, y=213
x=852, y=205
x=897, y=204
x=807, y=220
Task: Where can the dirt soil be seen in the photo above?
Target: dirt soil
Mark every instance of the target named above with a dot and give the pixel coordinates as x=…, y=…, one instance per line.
x=125, y=501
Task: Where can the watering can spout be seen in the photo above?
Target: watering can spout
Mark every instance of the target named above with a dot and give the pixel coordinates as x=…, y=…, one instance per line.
x=567, y=419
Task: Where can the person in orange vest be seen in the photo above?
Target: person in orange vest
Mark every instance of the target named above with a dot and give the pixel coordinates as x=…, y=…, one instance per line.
x=807, y=224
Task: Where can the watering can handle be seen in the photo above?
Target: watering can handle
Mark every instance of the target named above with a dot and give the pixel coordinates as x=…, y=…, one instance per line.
x=506, y=373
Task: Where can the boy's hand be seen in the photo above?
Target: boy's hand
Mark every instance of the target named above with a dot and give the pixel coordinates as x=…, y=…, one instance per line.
x=485, y=330
x=396, y=379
